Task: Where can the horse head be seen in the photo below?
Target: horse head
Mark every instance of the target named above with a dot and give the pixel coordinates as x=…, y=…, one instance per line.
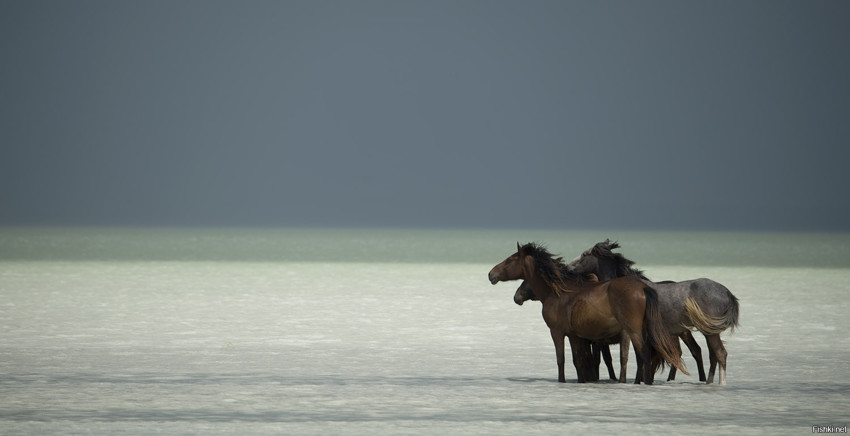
x=587, y=262
x=602, y=261
x=524, y=293
x=516, y=266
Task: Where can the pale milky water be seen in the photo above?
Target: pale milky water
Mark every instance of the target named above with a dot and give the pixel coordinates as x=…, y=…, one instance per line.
x=186, y=340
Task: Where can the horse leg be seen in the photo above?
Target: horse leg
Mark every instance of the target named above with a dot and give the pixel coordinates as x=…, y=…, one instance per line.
x=717, y=348
x=696, y=351
x=582, y=351
x=594, y=361
x=642, y=348
x=643, y=354
x=558, y=339
x=625, y=342
x=648, y=373
x=672, y=375
x=640, y=363
x=606, y=355
x=712, y=361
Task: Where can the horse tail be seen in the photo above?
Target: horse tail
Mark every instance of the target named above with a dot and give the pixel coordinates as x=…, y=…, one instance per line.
x=713, y=325
x=657, y=336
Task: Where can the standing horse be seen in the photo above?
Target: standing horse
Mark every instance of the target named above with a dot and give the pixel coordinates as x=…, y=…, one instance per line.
x=703, y=304
x=523, y=293
x=625, y=307
x=608, y=270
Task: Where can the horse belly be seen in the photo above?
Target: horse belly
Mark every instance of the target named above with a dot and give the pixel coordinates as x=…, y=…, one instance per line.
x=600, y=331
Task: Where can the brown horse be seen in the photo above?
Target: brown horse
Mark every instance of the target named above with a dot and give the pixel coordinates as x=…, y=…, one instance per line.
x=597, y=350
x=610, y=268
x=624, y=308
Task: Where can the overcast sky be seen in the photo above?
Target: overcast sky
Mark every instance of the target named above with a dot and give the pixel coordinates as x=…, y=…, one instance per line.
x=562, y=114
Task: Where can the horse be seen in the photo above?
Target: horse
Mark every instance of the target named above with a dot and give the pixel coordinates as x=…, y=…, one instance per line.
x=523, y=293
x=624, y=308
x=700, y=304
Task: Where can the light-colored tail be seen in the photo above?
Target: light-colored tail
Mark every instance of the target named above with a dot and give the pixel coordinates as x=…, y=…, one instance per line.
x=711, y=325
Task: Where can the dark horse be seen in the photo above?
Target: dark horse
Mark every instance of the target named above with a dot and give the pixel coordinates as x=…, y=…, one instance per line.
x=702, y=304
x=624, y=308
x=596, y=349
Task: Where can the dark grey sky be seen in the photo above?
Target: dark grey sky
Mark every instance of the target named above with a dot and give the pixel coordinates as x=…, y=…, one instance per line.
x=663, y=115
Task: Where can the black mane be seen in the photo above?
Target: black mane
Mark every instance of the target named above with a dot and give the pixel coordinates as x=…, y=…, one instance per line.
x=551, y=268
x=623, y=265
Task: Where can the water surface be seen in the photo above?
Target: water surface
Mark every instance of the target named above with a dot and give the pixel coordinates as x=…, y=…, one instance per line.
x=387, y=332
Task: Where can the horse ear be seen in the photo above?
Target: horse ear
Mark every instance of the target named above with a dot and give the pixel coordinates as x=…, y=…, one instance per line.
x=519, y=248
x=607, y=241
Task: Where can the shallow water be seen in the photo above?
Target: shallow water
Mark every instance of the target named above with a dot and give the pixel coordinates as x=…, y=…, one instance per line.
x=274, y=347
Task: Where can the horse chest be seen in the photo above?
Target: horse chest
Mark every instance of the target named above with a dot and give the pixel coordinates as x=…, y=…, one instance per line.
x=557, y=316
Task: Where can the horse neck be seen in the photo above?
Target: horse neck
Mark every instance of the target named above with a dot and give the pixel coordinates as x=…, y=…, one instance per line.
x=542, y=290
x=557, y=306
x=548, y=295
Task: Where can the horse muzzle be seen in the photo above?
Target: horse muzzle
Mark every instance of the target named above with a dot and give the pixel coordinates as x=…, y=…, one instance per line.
x=493, y=278
x=518, y=299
